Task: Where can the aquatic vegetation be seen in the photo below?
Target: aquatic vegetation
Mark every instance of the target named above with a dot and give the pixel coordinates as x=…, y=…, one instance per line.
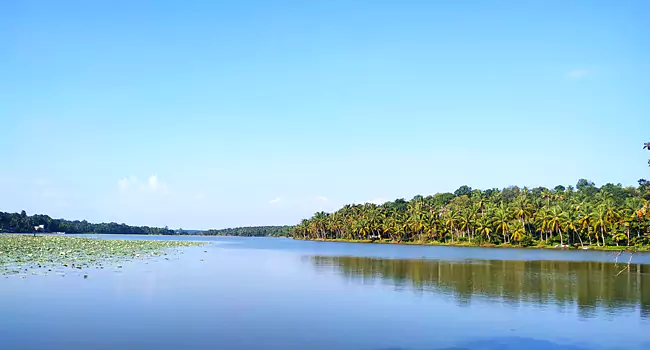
x=28, y=254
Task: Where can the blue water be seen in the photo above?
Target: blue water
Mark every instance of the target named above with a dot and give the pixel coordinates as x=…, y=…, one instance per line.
x=271, y=293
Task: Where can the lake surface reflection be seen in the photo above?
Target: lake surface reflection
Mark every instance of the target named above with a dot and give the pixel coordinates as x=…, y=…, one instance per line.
x=255, y=293
x=588, y=286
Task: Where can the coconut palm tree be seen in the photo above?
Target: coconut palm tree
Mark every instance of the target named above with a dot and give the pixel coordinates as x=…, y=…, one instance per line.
x=539, y=224
x=522, y=210
x=484, y=227
x=557, y=219
x=430, y=226
x=572, y=224
x=451, y=219
x=513, y=214
x=518, y=231
x=467, y=222
x=600, y=221
x=501, y=221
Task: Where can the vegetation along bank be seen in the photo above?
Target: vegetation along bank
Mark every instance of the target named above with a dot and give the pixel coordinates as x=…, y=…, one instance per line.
x=580, y=216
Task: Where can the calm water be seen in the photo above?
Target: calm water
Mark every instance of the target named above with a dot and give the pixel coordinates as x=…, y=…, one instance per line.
x=265, y=293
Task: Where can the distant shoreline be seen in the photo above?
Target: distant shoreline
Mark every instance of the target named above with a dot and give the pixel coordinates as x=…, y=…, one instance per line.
x=468, y=245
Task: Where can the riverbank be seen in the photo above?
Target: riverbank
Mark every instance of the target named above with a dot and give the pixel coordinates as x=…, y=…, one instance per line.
x=486, y=245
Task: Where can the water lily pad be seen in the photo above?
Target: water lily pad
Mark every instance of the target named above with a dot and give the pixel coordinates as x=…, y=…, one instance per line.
x=26, y=253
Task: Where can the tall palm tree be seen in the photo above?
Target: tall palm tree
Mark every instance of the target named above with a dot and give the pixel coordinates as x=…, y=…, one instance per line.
x=522, y=210
x=584, y=220
x=572, y=224
x=542, y=224
x=628, y=215
x=501, y=221
x=587, y=213
x=600, y=221
x=518, y=232
x=484, y=227
x=415, y=214
x=467, y=222
x=451, y=219
x=430, y=225
x=557, y=218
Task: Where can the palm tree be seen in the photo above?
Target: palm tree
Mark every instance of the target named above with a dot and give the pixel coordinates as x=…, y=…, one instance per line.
x=451, y=221
x=467, y=222
x=600, y=222
x=617, y=233
x=501, y=221
x=518, y=232
x=484, y=227
x=573, y=224
x=415, y=218
x=522, y=210
x=584, y=220
x=430, y=226
x=556, y=219
x=628, y=216
x=542, y=224
x=586, y=213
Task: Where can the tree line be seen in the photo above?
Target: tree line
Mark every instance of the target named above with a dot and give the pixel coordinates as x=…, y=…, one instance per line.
x=611, y=215
x=23, y=223
x=252, y=231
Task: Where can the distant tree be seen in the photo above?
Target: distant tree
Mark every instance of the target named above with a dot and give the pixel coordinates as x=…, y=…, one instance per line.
x=586, y=188
x=22, y=223
x=253, y=231
x=463, y=191
x=584, y=184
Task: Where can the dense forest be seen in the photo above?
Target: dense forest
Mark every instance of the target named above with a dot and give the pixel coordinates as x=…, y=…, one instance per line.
x=21, y=222
x=611, y=215
x=252, y=231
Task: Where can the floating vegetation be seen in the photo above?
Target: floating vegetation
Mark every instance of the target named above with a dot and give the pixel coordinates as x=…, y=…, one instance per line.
x=22, y=254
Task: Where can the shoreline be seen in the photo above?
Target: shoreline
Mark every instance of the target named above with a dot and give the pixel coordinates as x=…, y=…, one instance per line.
x=471, y=245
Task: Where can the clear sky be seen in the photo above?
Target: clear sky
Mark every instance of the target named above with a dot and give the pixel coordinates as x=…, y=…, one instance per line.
x=209, y=114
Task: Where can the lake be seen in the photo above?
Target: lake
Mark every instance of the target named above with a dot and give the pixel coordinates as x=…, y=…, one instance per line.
x=274, y=293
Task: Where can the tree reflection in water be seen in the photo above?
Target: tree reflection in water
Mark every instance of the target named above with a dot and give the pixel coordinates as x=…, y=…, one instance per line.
x=588, y=285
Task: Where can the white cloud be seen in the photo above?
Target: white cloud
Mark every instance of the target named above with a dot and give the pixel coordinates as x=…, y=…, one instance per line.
x=321, y=198
x=577, y=73
x=274, y=201
x=153, y=182
x=154, y=185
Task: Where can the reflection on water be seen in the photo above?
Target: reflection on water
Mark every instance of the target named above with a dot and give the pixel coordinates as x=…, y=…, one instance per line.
x=588, y=285
x=506, y=343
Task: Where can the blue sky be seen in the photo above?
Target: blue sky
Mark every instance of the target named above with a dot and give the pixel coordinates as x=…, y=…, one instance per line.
x=208, y=114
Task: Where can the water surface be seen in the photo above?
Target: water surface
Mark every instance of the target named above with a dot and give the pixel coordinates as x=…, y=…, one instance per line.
x=266, y=293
